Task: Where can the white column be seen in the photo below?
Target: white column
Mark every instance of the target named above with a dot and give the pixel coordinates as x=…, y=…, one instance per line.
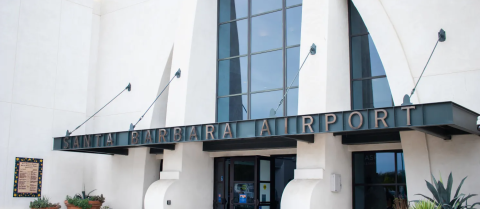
x=315, y=164
x=417, y=163
x=186, y=180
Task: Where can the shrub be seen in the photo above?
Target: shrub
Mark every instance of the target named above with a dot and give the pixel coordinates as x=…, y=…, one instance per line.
x=79, y=202
x=43, y=202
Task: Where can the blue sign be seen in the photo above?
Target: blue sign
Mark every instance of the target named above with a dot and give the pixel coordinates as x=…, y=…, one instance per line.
x=243, y=198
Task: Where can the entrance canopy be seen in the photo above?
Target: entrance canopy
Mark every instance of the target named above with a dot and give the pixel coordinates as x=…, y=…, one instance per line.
x=442, y=120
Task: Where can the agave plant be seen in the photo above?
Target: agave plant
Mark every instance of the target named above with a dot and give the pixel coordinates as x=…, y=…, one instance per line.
x=424, y=204
x=442, y=195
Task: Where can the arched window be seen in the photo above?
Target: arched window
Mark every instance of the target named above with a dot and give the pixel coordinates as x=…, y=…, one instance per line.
x=369, y=84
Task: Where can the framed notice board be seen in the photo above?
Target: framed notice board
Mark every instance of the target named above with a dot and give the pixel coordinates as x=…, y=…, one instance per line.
x=28, y=177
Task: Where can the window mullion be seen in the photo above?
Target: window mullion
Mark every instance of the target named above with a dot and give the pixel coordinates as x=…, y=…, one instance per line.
x=284, y=29
x=249, y=48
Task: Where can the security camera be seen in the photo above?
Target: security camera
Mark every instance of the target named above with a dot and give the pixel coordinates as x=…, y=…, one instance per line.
x=478, y=123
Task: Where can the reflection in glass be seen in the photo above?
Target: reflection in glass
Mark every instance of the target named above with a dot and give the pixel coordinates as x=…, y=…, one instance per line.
x=264, y=192
x=267, y=32
x=402, y=191
x=232, y=108
x=371, y=167
x=267, y=71
x=294, y=25
x=263, y=103
x=373, y=93
x=264, y=170
x=232, y=9
x=293, y=65
x=365, y=59
x=401, y=178
x=260, y=6
x=244, y=171
x=293, y=2
x=292, y=102
x=374, y=197
x=243, y=193
x=356, y=23
x=232, y=39
x=233, y=76
x=219, y=170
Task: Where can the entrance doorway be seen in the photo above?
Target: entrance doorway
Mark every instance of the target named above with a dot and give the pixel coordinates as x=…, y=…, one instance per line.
x=254, y=182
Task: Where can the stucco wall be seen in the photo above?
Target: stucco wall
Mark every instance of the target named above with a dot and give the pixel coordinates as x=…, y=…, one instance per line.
x=44, y=66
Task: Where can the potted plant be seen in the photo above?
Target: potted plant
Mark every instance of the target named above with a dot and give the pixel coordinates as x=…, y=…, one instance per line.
x=44, y=203
x=84, y=201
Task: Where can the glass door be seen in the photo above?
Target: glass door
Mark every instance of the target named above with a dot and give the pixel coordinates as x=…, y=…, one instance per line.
x=243, y=183
x=220, y=184
x=266, y=183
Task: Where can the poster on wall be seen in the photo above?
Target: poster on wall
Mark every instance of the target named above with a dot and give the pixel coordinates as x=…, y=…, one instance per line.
x=28, y=177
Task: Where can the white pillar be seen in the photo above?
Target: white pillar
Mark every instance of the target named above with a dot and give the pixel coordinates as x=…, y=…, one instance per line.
x=315, y=164
x=186, y=179
x=417, y=163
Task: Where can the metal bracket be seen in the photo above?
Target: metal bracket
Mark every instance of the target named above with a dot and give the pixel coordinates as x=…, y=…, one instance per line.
x=178, y=73
x=313, y=49
x=442, y=36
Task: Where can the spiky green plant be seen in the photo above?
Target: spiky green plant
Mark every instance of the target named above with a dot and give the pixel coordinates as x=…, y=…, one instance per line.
x=442, y=195
x=424, y=204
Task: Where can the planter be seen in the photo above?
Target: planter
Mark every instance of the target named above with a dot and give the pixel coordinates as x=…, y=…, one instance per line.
x=94, y=204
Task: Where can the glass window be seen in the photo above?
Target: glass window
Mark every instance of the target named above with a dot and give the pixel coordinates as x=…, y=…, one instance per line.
x=292, y=102
x=357, y=26
x=233, y=39
x=371, y=93
x=232, y=108
x=267, y=32
x=370, y=88
x=293, y=64
x=264, y=103
x=365, y=59
x=294, y=23
x=267, y=71
x=261, y=6
x=244, y=171
x=293, y=2
x=401, y=168
x=377, y=179
x=258, y=58
x=232, y=9
x=233, y=76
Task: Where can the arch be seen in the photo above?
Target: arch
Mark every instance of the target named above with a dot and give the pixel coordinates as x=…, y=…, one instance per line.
x=389, y=48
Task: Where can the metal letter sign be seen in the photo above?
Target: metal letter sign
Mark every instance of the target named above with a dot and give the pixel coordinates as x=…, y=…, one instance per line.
x=423, y=117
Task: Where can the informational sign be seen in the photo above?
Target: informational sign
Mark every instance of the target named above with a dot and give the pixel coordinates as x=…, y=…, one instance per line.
x=28, y=177
x=243, y=198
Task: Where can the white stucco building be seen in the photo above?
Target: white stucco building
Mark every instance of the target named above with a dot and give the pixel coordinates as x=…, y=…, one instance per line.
x=62, y=60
